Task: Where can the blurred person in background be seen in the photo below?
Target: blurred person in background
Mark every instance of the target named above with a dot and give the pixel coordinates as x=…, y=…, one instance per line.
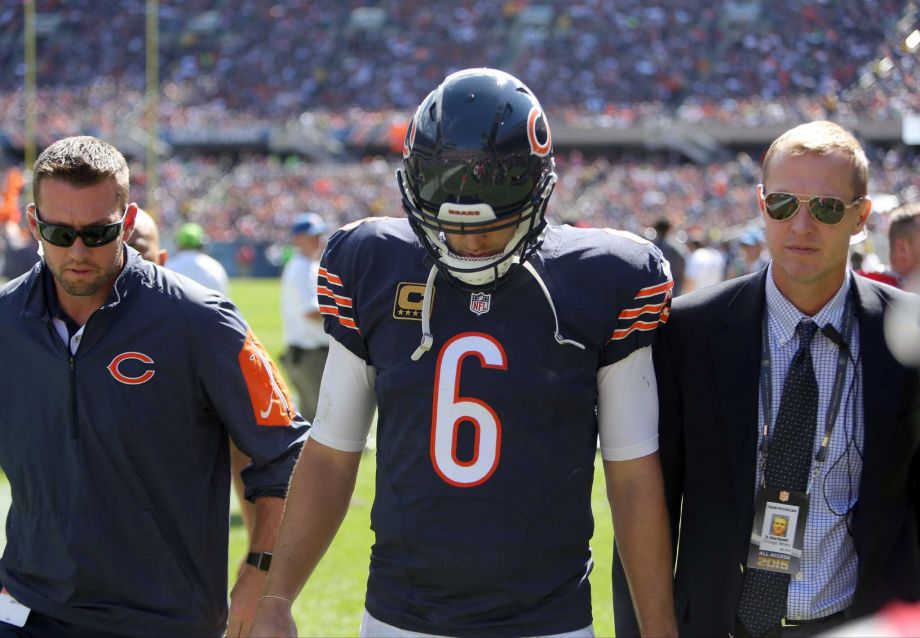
x=705, y=265
x=904, y=244
x=674, y=251
x=301, y=321
x=192, y=261
x=146, y=238
x=751, y=257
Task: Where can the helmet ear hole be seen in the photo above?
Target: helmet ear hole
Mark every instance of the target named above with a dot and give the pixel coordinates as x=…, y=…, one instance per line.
x=480, y=148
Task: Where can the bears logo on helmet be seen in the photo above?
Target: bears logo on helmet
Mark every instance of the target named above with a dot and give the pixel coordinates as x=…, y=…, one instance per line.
x=410, y=137
x=534, y=120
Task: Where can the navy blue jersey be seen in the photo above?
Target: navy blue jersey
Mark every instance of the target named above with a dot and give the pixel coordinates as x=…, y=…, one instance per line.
x=486, y=445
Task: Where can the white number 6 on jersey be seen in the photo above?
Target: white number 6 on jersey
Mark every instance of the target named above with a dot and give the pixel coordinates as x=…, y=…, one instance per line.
x=450, y=410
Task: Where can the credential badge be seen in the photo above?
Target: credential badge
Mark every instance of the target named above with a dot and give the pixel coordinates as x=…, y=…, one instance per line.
x=480, y=302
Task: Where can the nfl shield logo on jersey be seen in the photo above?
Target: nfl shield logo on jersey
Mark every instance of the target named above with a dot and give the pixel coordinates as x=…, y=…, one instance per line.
x=479, y=302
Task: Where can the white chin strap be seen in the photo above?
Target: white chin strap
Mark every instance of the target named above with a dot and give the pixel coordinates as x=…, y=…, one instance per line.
x=463, y=267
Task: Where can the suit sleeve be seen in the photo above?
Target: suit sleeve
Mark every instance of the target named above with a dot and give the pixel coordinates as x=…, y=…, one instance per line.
x=641, y=301
x=670, y=427
x=250, y=398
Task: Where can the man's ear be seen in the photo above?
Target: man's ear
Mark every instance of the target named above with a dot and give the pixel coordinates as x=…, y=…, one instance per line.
x=162, y=256
x=130, y=216
x=863, y=214
x=33, y=227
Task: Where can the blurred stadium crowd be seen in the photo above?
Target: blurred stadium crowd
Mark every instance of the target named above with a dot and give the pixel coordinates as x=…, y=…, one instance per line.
x=728, y=60
x=341, y=65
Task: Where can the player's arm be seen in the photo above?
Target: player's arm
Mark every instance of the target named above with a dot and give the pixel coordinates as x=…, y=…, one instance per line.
x=321, y=487
x=244, y=596
x=628, y=423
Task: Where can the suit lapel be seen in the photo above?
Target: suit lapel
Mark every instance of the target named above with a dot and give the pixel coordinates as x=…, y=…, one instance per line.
x=736, y=356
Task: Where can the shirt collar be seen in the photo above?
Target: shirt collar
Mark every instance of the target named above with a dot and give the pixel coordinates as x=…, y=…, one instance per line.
x=784, y=316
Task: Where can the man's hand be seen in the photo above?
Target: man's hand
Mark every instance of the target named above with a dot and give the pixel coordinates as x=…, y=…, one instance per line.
x=243, y=601
x=273, y=619
x=250, y=579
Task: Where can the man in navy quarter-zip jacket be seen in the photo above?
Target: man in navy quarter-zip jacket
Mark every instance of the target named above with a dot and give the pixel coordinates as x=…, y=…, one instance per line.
x=120, y=385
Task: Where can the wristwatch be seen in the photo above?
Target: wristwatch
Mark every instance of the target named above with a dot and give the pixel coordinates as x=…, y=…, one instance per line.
x=259, y=560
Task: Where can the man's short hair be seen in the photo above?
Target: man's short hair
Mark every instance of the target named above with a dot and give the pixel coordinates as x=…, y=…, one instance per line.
x=822, y=138
x=82, y=161
x=902, y=223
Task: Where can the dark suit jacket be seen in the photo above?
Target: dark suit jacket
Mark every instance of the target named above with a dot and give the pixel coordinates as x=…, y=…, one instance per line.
x=707, y=362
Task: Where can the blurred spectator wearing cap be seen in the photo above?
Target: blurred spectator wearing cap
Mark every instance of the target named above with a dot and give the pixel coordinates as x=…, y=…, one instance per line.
x=674, y=251
x=191, y=260
x=750, y=256
x=301, y=321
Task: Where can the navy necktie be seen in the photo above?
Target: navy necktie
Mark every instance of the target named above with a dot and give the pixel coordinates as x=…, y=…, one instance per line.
x=791, y=446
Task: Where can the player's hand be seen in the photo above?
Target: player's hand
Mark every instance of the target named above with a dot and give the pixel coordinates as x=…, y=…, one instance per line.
x=273, y=620
x=243, y=601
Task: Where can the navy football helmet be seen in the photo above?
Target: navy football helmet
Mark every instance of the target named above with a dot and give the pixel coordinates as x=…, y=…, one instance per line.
x=478, y=152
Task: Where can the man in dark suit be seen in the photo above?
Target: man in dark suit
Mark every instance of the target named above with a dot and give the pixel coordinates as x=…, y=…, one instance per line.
x=736, y=368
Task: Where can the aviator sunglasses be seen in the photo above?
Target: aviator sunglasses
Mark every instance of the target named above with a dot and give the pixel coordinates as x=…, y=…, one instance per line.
x=827, y=210
x=92, y=236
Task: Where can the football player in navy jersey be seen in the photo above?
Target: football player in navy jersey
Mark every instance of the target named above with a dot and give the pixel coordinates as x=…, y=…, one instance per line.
x=495, y=348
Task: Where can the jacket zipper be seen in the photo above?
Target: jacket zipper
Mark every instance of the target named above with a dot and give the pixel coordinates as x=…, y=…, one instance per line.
x=74, y=423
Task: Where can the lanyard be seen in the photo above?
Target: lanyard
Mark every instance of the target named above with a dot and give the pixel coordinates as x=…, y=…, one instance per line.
x=833, y=406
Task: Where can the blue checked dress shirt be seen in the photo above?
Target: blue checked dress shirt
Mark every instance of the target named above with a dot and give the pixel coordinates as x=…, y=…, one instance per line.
x=827, y=580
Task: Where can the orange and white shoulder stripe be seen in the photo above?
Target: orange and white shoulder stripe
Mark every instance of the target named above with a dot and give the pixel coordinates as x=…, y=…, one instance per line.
x=653, y=307
x=331, y=303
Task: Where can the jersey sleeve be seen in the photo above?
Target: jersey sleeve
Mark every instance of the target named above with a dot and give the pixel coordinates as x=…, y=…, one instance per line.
x=346, y=401
x=249, y=395
x=627, y=407
x=641, y=298
x=337, y=291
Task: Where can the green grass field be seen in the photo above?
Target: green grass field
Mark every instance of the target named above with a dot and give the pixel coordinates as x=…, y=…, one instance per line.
x=332, y=601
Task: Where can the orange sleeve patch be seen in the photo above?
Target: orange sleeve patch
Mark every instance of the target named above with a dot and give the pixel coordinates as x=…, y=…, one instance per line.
x=268, y=393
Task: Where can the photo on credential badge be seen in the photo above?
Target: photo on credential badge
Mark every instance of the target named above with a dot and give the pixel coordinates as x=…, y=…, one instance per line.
x=778, y=528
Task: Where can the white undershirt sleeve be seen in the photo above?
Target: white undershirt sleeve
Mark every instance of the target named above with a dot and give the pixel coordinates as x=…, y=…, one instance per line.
x=347, y=402
x=627, y=407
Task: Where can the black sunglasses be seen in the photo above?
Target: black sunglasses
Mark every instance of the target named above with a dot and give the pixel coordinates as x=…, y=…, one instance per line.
x=92, y=236
x=827, y=210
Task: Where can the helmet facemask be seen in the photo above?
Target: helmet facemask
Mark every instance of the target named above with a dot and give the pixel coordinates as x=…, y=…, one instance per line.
x=474, y=273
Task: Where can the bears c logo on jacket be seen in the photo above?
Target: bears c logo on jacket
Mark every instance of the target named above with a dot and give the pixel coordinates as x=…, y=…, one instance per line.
x=126, y=374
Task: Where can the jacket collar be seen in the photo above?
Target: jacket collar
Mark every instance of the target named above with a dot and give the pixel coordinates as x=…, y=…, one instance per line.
x=41, y=300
